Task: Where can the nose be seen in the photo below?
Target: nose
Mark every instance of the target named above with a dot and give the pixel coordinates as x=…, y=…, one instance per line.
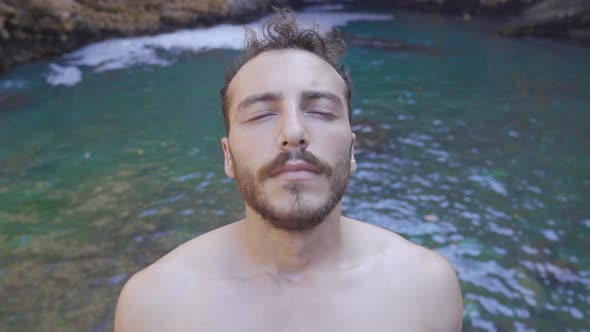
x=293, y=132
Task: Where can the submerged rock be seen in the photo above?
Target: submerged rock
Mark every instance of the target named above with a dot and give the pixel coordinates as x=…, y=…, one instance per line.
x=371, y=135
x=563, y=19
x=11, y=102
x=40, y=28
x=465, y=7
x=390, y=45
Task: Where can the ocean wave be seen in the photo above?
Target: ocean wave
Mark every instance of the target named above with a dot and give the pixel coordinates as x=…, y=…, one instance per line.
x=63, y=75
x=11, y=84
x=159, y=50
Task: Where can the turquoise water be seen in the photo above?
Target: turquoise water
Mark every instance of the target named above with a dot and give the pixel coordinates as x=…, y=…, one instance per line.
x=471, y=144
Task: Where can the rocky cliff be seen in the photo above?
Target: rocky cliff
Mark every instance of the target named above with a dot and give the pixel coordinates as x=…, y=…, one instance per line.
x=568, y=19
x=473, y=7
x=32, y=29
x=562, y=19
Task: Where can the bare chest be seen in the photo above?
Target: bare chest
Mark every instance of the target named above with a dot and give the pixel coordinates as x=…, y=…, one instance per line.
x=340, y=304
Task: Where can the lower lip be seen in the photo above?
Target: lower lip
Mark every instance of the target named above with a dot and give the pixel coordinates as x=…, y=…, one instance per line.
x=295, y=175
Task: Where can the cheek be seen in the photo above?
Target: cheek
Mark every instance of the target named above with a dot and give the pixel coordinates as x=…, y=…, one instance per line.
x=333, y=145
x=249, y=150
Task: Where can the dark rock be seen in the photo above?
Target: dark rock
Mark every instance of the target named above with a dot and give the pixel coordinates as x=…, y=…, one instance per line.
x=12, y=102
x=554, y=18
x=390, y=45
x=461, y=7
x=42, y=28
x=562, y=19
x=371, y=135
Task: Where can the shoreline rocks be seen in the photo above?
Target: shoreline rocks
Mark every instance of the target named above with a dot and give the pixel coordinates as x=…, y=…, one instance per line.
x=494, y=8
x=35, y=29
x=565, y=20
x=387, y=44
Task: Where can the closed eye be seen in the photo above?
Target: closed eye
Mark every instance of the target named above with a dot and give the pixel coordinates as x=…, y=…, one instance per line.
x=261, y=116
x=322, y=114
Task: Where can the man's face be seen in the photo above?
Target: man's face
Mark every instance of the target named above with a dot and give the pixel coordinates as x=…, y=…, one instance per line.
x=290, y=147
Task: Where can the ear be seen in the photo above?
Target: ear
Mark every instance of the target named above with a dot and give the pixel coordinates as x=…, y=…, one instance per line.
x=352, y=160
x=227, y=159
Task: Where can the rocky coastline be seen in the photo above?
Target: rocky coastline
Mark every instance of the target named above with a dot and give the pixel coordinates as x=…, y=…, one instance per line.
x=565, y=20
x=35, y=29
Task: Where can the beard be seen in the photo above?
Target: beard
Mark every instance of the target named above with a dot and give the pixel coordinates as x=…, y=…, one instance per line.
x=301, y=216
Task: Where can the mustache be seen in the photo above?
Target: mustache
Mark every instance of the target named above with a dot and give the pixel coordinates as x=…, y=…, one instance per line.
x=319, y=166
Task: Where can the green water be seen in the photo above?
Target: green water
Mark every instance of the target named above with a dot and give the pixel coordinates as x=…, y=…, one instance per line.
x=477, y=149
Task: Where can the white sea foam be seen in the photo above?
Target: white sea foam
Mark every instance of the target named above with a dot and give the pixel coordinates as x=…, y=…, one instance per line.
x=159, y=50
x=123, y=53
x=63, y=75
x=491, y=183
x=324, y=8
x=11, y=84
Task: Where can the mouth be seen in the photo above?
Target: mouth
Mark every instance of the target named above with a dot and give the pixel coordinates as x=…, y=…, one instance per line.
x=295, y=171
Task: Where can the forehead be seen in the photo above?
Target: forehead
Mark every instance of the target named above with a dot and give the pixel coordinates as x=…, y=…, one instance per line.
x=287, y=72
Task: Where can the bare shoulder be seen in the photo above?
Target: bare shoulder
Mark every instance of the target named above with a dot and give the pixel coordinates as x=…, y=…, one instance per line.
x=432, y=283
x=426, y=278
x=144, y=298
x=162, y=289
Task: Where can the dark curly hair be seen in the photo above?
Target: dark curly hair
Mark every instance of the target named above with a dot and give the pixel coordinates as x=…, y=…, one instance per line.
x=281, y=31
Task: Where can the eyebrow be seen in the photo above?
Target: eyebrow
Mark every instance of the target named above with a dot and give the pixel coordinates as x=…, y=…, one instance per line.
x=314, y=95
x=276, y=96
x=262, y=97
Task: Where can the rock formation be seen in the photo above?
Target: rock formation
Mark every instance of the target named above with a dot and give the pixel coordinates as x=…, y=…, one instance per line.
x=563, y=19
x=568, y=19
x=32, y=29
x=471, y=7
x=387, y=44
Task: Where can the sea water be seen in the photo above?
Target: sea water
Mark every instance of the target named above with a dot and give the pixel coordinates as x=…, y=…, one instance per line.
x=470, y=144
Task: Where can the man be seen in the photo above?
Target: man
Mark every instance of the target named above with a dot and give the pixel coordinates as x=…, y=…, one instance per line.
x=293, y=263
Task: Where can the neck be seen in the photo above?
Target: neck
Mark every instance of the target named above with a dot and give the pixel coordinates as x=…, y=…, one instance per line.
x=290, y=254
